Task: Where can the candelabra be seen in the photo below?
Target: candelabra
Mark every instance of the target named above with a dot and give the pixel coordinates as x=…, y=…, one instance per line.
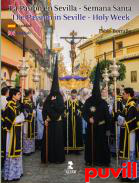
x=115, y=73
x=23, y=71
x=106, y=80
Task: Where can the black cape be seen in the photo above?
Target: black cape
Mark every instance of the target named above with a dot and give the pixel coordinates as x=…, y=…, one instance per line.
x=53, y=110
x=100, y=113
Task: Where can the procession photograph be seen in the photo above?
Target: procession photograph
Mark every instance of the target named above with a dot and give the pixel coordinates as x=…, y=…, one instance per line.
x=69, y=91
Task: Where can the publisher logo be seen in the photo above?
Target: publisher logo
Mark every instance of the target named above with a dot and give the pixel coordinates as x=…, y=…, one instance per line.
x=70, y=165
x=70, y=169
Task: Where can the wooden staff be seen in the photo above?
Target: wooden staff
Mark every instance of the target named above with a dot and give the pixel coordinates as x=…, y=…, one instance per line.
x=92, y=130
x=22, y=89
x=115, y=75
x=116, y=127
x=34, y=121
x=67, y=126
x=46, y=126
x=92, y=140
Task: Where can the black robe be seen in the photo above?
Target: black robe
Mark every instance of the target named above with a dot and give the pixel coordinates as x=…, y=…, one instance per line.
x=74, y=111
x=53, y=111
x=28, y=107
x=100, y=114
x=131, y=125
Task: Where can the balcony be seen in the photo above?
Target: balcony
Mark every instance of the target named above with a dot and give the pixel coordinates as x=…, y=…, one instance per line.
x=30, y=26
x=125, y=53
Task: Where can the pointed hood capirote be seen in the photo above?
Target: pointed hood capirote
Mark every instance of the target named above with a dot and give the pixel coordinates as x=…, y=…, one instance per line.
x=54, y=108
x=55, y=82
x=96, y=93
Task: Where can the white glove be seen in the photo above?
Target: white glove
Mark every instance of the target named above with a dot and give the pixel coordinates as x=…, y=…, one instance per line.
x=34, y=112
x=20, y=118
x=110, y=109
x=78, y=112
x=26, y=114
x=121, y=120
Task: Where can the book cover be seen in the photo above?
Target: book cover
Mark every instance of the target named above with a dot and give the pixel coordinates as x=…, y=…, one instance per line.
x=50, y=46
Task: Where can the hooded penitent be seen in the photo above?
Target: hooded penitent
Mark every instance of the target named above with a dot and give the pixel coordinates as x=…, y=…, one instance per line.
x=55, y=91
x=95, y=100
x=55, y=83
x=95, y=107
x=96, y=94
x=53, y=110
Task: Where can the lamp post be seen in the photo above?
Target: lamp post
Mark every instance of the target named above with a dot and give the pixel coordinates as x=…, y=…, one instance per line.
x=115, y=73
x=23, y=68
x=106, y=80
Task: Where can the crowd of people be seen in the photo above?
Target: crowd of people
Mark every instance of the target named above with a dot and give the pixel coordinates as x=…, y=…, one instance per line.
x=59, y=126
x=17, y=130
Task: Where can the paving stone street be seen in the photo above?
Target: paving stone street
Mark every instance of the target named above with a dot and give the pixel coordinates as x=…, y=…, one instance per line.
x=35, y=172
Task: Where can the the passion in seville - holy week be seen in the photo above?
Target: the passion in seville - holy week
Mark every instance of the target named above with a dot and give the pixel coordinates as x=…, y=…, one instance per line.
x=69, y=91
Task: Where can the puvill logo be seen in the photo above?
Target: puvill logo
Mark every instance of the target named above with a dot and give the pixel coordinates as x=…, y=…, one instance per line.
x=70, y=169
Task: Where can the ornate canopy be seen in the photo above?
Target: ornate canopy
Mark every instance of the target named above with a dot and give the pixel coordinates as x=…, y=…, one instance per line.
x=78, y=81
x=74, y=82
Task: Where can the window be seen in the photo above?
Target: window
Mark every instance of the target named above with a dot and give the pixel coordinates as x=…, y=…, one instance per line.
x=133, y=76
x=119, y=45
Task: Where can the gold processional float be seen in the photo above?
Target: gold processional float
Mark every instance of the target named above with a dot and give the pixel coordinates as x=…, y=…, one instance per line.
x=81, y=78
x=76, y=81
